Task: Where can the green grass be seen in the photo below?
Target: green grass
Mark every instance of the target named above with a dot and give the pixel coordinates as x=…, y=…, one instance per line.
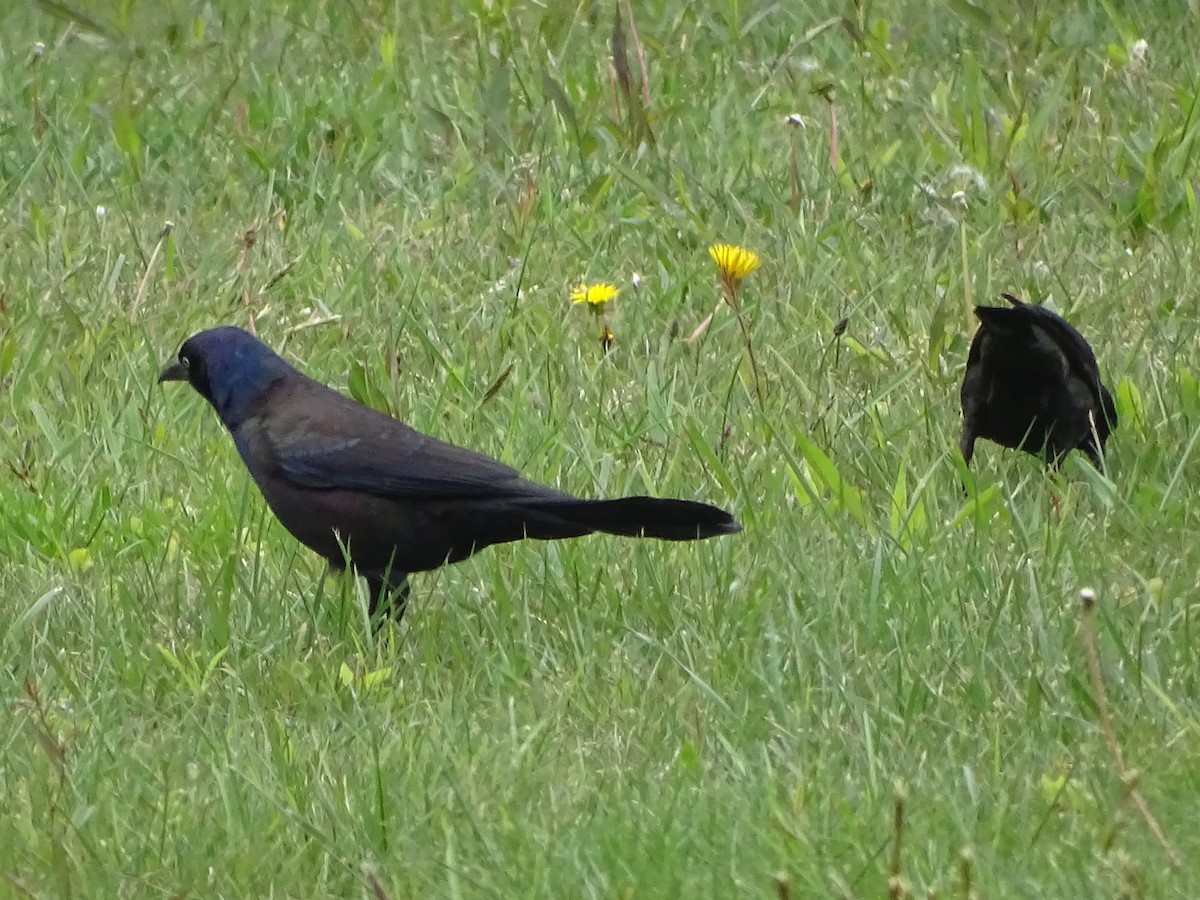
x=193, y=707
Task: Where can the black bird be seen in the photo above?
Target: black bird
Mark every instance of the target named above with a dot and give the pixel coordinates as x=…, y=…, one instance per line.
x=339, y=474
x=1032, y=384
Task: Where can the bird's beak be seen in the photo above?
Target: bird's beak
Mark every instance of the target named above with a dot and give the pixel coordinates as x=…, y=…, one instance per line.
x=174, y=372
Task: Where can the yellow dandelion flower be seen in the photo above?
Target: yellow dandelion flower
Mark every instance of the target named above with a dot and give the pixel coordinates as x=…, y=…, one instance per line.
x=734, y=262
x=595, y=295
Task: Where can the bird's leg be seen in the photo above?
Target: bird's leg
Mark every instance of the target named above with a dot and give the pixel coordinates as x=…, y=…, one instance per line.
x=389, y=594
x=1094, y=458
x=1054, y=462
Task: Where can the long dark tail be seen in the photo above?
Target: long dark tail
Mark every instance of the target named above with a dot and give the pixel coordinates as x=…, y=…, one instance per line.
x=668, y=520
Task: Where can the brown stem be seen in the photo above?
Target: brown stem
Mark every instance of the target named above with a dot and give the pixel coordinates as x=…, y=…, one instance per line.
x=641, y=57
x=1088, y=599
x=141, y=289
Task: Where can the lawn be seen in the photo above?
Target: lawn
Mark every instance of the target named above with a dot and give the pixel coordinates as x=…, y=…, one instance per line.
x=880, y=688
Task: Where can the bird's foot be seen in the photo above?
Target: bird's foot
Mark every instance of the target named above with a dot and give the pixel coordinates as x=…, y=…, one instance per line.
x=389, y=596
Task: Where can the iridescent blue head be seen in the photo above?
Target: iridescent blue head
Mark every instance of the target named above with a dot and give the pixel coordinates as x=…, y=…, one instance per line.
x=228, y=367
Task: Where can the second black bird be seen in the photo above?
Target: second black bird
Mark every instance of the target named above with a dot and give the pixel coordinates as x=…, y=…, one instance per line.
x=1032, y=383
x=339, y=474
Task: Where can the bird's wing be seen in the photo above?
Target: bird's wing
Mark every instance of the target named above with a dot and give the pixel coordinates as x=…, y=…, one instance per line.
x=1074, y=347
x=1081, y=361
x=322, y=439
x=1051, y=331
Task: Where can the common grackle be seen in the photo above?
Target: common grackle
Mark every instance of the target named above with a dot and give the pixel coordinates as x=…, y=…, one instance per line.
x=339, y=474
x=1032, y=383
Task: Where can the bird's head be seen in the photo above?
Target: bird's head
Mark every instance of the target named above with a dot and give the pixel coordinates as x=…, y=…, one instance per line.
x=228, y=367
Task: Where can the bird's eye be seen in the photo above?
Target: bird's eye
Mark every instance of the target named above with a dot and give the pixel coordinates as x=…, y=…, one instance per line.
x=185, y=360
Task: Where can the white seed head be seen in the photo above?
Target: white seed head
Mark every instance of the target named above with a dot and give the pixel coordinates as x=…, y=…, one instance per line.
x=1138, y=53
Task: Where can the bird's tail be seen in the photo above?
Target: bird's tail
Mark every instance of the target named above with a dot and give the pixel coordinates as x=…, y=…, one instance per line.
x=1004, y=320
x=668, y=520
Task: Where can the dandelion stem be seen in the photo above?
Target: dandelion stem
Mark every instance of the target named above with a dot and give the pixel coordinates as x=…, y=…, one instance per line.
x=731, y=296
